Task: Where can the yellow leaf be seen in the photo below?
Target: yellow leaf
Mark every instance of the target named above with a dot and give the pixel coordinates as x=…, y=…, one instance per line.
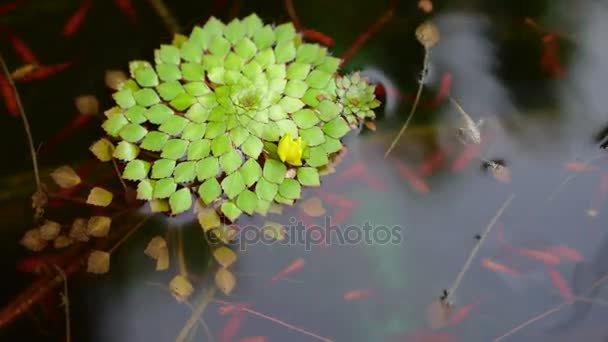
x=225, y=281
x=115, y=78
x=208, y=219
x=99, y=197
x=99, y=226
x=102, y=149
x=65, y=177
x=99, y=262
x=159, y=206
x=181, y=288
x=162, y=263
x=313, y=207
x=62, y=241
x=225, y=233
x=224, y=256
x=50, y=230
x=155, y=247
x=290, y=150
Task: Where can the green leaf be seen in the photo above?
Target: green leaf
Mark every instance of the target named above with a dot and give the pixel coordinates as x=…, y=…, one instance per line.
x=194, y=131
x=251, y=172
x=252, y=24
x=208, y=219
x=197, y=113
x=328, y=110
x=145, y=189
x=185, y=172
x=274, y=171
x=182, y=102
x=124, y=98
x=290, y=104
x=169, y=54
x=266, y=190
x=230, y=161
x=305, y=118
x=191, y=52
x=245, y=48
x=197, y=88
x=238, y=135
x=219, y=46
x=285, y=52
x=287, y=126
x=280, y=199
x=154, y=141
x=207, y=168
x=168, y=72
x=296, y=88
x=252, y=147
x=233, y=184
x=114, y=124
x=199, y=149
x=231, y=211
x=210, y=190
x=162, y=168
x=235, y=31
x=317, y=157
x=307, y=53
x=264, y=37
x=180, y=201
x=132, y=132
x=336, y=128
x=221, y=144
x=174, y=149
x=313, y=96
x=271, y=132
x=164, y=188
x=330, y=64
x=158, y=113
x=318, y=79
x=313, y=136
x=146, y=77
x=276, y=112
x=192, y=71
x=146, y=97
x=136, y=170
x=212, y=61
x=215, y=129
x=247, y=201
x=262, y=207
x=174, y=125
x=136, y=115
x=308, y=176
x=125, y=151
x=285, y=32
x=331, y=145
x=290, y=189
x=233, y=62
x=265, y=57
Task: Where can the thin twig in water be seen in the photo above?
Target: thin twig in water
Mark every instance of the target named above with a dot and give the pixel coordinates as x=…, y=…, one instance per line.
x=128, y=235
x=198, y=312
x=291, y=11
x=414, y=106
x=530, y=321
x=181, y=262
x=571, y=176
x=122, y=182
x=26, y=124
x=65, y=300
x=475, y=249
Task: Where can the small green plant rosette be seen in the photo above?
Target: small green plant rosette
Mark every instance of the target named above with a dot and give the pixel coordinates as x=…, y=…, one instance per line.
x=239, y=115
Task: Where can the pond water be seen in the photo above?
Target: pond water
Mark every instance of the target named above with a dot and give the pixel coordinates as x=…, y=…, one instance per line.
x=534, y=71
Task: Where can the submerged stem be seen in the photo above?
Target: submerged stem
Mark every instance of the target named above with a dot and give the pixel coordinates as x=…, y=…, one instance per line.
x=66, y=303
x=198, y=312
x=414, y=106
x=26, y=124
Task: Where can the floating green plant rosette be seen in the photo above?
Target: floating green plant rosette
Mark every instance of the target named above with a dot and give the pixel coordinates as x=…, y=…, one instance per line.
x=239, y=114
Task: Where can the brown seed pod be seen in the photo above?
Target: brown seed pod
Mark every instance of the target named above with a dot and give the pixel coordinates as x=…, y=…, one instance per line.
x=427, y=34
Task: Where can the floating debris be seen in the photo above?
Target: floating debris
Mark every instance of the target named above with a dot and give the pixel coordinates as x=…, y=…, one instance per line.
x=49, y=230
x=79, y=230
x=99, y=226
x=33, y=240
x=62, y=241
x=87, y=104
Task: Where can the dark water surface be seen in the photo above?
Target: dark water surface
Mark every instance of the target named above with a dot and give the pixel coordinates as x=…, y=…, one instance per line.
x=539, y=116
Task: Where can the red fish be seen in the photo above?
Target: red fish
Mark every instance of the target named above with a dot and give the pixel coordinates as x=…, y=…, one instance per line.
x=462, y=313
x=444, y=90
x=432, y=163
x=22, y=49
x=415, y=181
x=549, y=61
x=76, y=20
x=229, y=308
x=318, y=37
x=566, y=252
x=356, y=294
x=34, y=263
x=384, y=90
x=337, y=199
x=580, y=167
x=9, y=96
x=11, y=6
x=542, y=256
x=44, y=71
x=561, y=284
x=495, y=266
x=254, y=339
x=356, y=170
x=126, y=6
x=232, y=326
x=76, y=124
x=469, y=154
x=293, y=267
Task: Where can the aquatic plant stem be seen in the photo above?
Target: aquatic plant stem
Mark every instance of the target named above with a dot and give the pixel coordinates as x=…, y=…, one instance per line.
x=122, y=182
x=65, y=302
x=128, y=235
x=293, y=15
x=165, y=14
x=530, y=321
x=475, y=249
x=414, y=106
x=181, y=262
x=198, y=312
x=26, y=124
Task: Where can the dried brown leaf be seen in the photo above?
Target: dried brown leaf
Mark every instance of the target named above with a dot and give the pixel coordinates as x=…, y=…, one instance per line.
x=78, y=231
x=99, y=226
x=33, y=241
x=313, y=207
x=99, y=262
x=87, y=104
x=65, y=177
x=115, y=78
x=225, y=281
x=62, y=241
x=49, y=230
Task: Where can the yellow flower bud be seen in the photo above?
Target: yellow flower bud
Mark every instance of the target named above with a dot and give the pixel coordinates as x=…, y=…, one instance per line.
x=290, y=150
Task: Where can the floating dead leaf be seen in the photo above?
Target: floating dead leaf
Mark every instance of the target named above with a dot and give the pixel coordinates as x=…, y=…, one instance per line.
x=274, y=230
x=291, y=173
x=62, y=241
x=33, y=240
x=102, y=149
x=425, y=6
x=99, y=226
x=313, y=207
x=438, y=314
x=159, y=206
x=78, y=231
x=427, y=34
x=225, y=280
x=87, y=104
x=39, y=202
x=99, y=262
x=155, y=247
x=181, y=288
x=370, y=125
x=115, y=78
x=65, y=177
x=100, y=197
x=225, y=234
x=162, y=263
x=49, y=230
x=224, y=256
x=208, y=219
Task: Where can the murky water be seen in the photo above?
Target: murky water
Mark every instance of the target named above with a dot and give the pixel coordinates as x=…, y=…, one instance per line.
x=541, y=111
